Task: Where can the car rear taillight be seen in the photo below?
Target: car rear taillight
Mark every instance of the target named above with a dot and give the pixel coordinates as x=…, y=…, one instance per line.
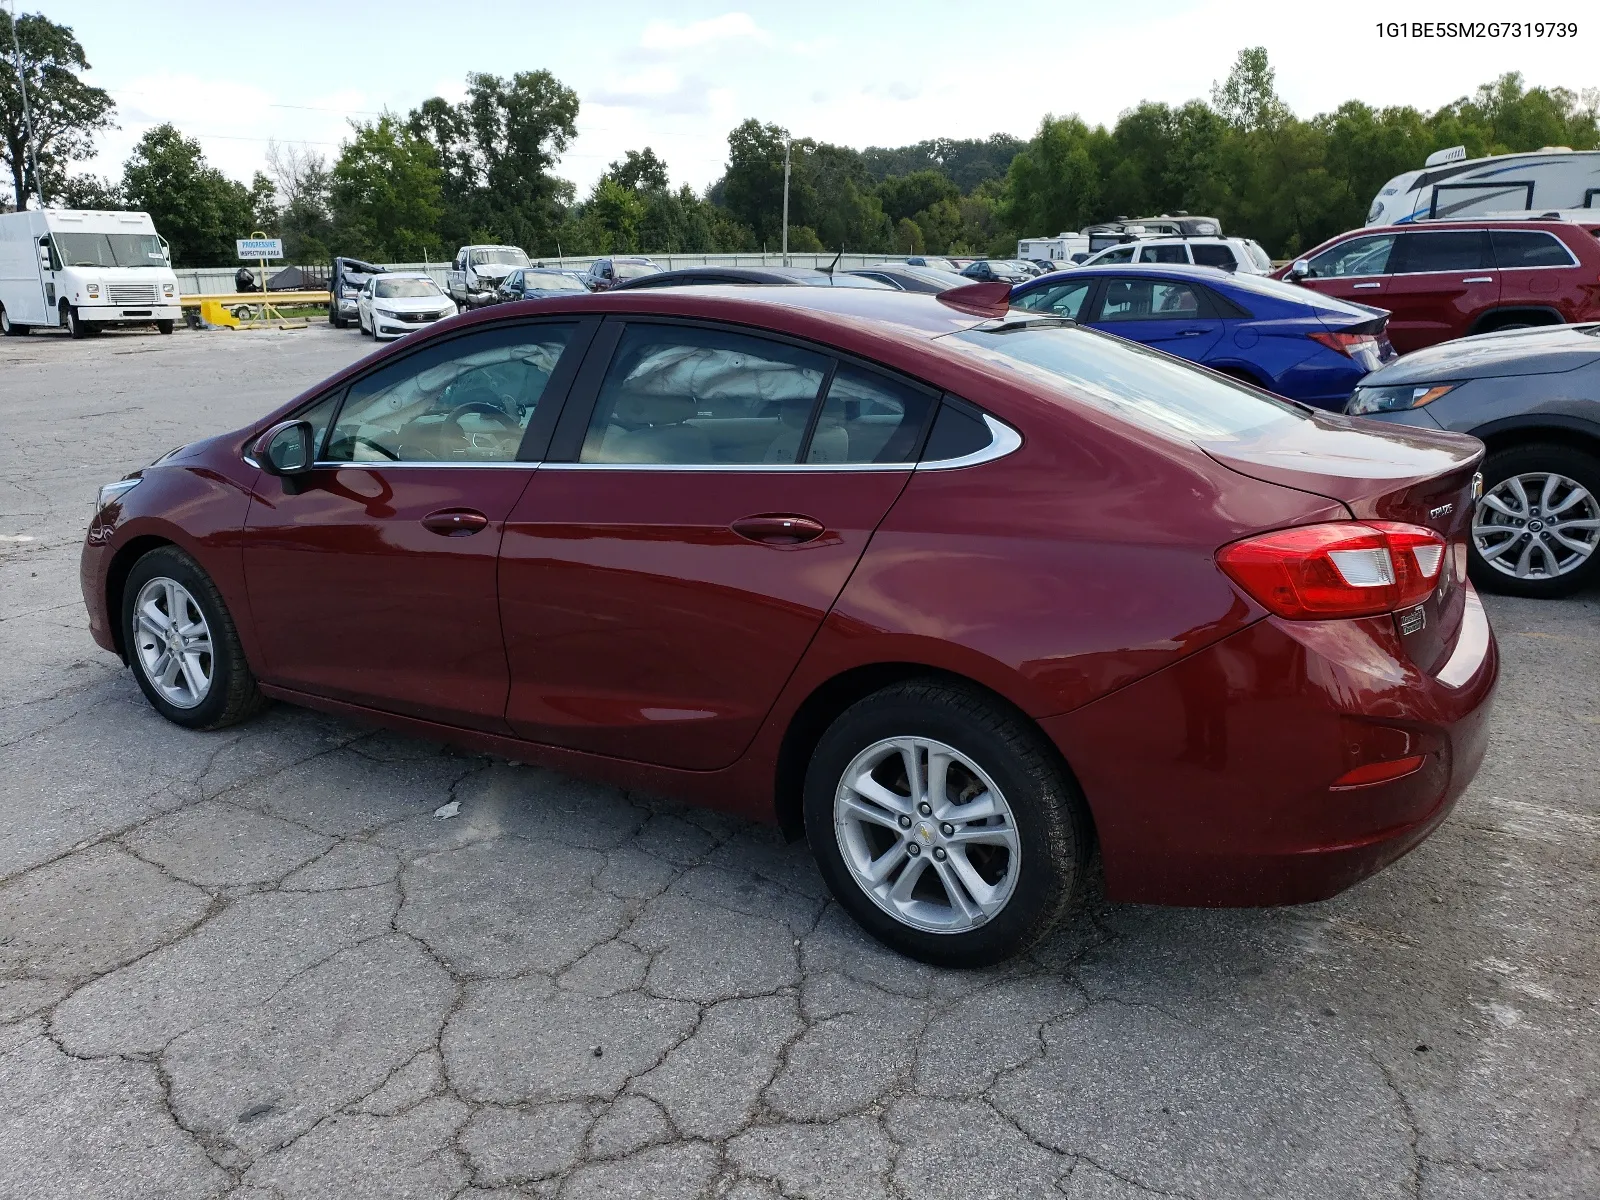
x=1338, y=569
x=1345, y=343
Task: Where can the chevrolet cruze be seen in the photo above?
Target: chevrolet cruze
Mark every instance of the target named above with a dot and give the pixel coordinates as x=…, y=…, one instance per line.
x=957, y=592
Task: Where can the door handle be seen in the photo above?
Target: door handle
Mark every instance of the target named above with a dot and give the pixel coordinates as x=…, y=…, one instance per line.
x=1354, y=286
x=1479, y=279
x=778, y=529
x=1191, y=332
x=455, y=522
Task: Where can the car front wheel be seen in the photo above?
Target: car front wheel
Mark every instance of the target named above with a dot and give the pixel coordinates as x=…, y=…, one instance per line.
x=945, y=824
x=182, y=644
x=1536, y=528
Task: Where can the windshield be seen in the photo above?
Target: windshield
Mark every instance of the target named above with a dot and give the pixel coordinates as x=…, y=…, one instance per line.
x=1139, y=385
x=109, y=249
x=404, y=289
x=551, y=281
x=499, y=254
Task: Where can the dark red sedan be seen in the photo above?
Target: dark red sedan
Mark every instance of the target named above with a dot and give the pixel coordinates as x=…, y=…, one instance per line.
x=959, y=593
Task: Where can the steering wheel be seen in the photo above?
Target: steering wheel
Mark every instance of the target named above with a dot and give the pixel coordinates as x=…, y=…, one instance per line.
x=494, y=412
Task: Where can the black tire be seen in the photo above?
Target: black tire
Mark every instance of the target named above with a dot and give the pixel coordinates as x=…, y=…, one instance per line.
x=69, y=318
x=1539, y=458
x=10, y=328
x=164, y=327
x=1051, y=819
x=233, y=695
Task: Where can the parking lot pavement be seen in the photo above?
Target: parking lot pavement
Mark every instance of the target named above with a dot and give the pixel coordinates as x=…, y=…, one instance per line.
x=255, y=963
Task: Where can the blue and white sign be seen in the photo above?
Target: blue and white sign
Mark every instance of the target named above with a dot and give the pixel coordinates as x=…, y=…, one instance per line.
x=258, y=248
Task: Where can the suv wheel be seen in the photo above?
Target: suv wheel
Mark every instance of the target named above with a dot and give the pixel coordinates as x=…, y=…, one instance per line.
x=945, y=824
x=182, y=644
x=1536, y=530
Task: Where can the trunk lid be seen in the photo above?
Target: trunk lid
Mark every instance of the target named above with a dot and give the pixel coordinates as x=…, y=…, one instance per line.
x=1380, y=472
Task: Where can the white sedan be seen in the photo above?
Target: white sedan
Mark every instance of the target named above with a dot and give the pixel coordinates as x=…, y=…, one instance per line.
x=394, y=305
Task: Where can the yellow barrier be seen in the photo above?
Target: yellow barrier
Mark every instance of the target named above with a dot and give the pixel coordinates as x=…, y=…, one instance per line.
x=234, y=299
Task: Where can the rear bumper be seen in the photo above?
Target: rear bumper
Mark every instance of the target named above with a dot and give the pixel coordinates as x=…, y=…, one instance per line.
x=1211, y=782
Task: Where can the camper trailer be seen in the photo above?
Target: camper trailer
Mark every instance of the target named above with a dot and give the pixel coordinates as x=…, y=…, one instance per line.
x=1451, y=186
x=84, y=271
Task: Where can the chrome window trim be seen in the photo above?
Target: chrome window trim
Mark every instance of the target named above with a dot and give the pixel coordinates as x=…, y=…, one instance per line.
x=1003, y=440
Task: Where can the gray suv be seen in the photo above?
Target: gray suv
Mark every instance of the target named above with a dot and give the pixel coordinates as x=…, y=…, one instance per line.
x=1533, y=396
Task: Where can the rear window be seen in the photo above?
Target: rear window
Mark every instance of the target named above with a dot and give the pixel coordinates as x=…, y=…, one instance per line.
x=1145, y=387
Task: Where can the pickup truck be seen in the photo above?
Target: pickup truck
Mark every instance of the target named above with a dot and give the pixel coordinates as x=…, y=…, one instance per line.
x=478, y=270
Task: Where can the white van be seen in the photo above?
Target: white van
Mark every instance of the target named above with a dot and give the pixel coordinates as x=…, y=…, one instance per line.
x=1449, y=186
x=84, y=270
x=1065, y=248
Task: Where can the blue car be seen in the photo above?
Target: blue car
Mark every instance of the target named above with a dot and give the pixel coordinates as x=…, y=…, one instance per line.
x=1286, y=339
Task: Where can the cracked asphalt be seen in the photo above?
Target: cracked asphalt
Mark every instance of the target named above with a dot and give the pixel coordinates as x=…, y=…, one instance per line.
x=253, y=964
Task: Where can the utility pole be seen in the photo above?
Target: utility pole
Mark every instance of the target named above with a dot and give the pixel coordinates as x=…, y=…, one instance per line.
x=27, y=118
x=786, y=144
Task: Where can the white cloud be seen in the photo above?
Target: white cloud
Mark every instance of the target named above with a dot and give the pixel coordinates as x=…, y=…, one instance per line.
x=665, y=37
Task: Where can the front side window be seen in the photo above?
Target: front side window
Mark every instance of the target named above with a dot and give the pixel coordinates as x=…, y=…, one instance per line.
x=1528, y=248
x=1059, y=300
x=1359, y=256
x=467, y=399
x=1454, y=250
x=869, y=418
x=1148, y=300
x=703, y=397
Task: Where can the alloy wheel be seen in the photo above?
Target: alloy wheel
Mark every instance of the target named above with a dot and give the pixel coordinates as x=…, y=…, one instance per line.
x=1537, y=525
x=927, y=835
x=173, y=642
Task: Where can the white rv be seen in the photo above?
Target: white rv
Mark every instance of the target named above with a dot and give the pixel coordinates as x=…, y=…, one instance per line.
x=84, y=270
x=1451, y=186
x=1065, y=248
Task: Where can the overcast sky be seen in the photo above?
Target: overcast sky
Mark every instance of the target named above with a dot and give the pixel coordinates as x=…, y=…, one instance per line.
x=857, y=72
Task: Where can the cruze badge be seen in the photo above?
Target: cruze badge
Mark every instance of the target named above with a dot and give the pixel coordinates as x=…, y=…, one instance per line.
x=1444, y=510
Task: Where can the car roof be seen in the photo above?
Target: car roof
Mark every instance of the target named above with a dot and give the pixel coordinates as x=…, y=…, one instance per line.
x=1549, y=224
x=1216, y=277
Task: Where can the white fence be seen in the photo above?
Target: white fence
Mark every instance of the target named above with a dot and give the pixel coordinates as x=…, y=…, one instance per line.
x=203, y=281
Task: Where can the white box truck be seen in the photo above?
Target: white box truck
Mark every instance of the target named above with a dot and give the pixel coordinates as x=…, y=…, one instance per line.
x=84, y=270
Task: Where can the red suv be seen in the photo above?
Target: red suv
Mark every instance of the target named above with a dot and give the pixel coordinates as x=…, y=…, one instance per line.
x=1448, y=279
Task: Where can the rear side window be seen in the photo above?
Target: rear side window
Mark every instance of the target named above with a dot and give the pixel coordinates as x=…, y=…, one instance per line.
x=1452, y=250
x=1528, y=248
x=956, y=433
x=1149, y=300
x=702, y=397
x=1214, y=254
x=1164, y=254
x=1121, y=254
x=1149, y=389
x=869, y=418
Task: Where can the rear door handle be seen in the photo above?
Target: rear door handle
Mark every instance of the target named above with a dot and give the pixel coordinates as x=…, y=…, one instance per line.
x=1479, y=279
x=1192, y=332
x=778, y=529
x=455, y=522
x=1354, y=286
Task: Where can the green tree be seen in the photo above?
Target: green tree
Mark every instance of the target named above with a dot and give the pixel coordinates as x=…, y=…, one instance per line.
x=198, y=209
x=87, y=191
x=497, y=150
x=385, y=192
x=1248, y=98
x=640, y=170
x=66, y=112
x=305, y=217
x=904, y=196
x=1054, y=184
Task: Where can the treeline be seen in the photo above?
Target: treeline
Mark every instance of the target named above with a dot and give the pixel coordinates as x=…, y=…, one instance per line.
x=402, y=188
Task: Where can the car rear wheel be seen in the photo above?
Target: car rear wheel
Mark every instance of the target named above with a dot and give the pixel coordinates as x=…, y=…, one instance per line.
x=182, y=644
x=945, y=824
x=1536, y=529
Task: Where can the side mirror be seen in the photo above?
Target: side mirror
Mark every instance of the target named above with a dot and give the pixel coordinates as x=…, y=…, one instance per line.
x=44, y=257
x=1300, y=270
x=285, y=449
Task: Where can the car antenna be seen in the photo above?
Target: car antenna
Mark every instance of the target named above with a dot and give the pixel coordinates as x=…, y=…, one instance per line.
x=828, y=270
